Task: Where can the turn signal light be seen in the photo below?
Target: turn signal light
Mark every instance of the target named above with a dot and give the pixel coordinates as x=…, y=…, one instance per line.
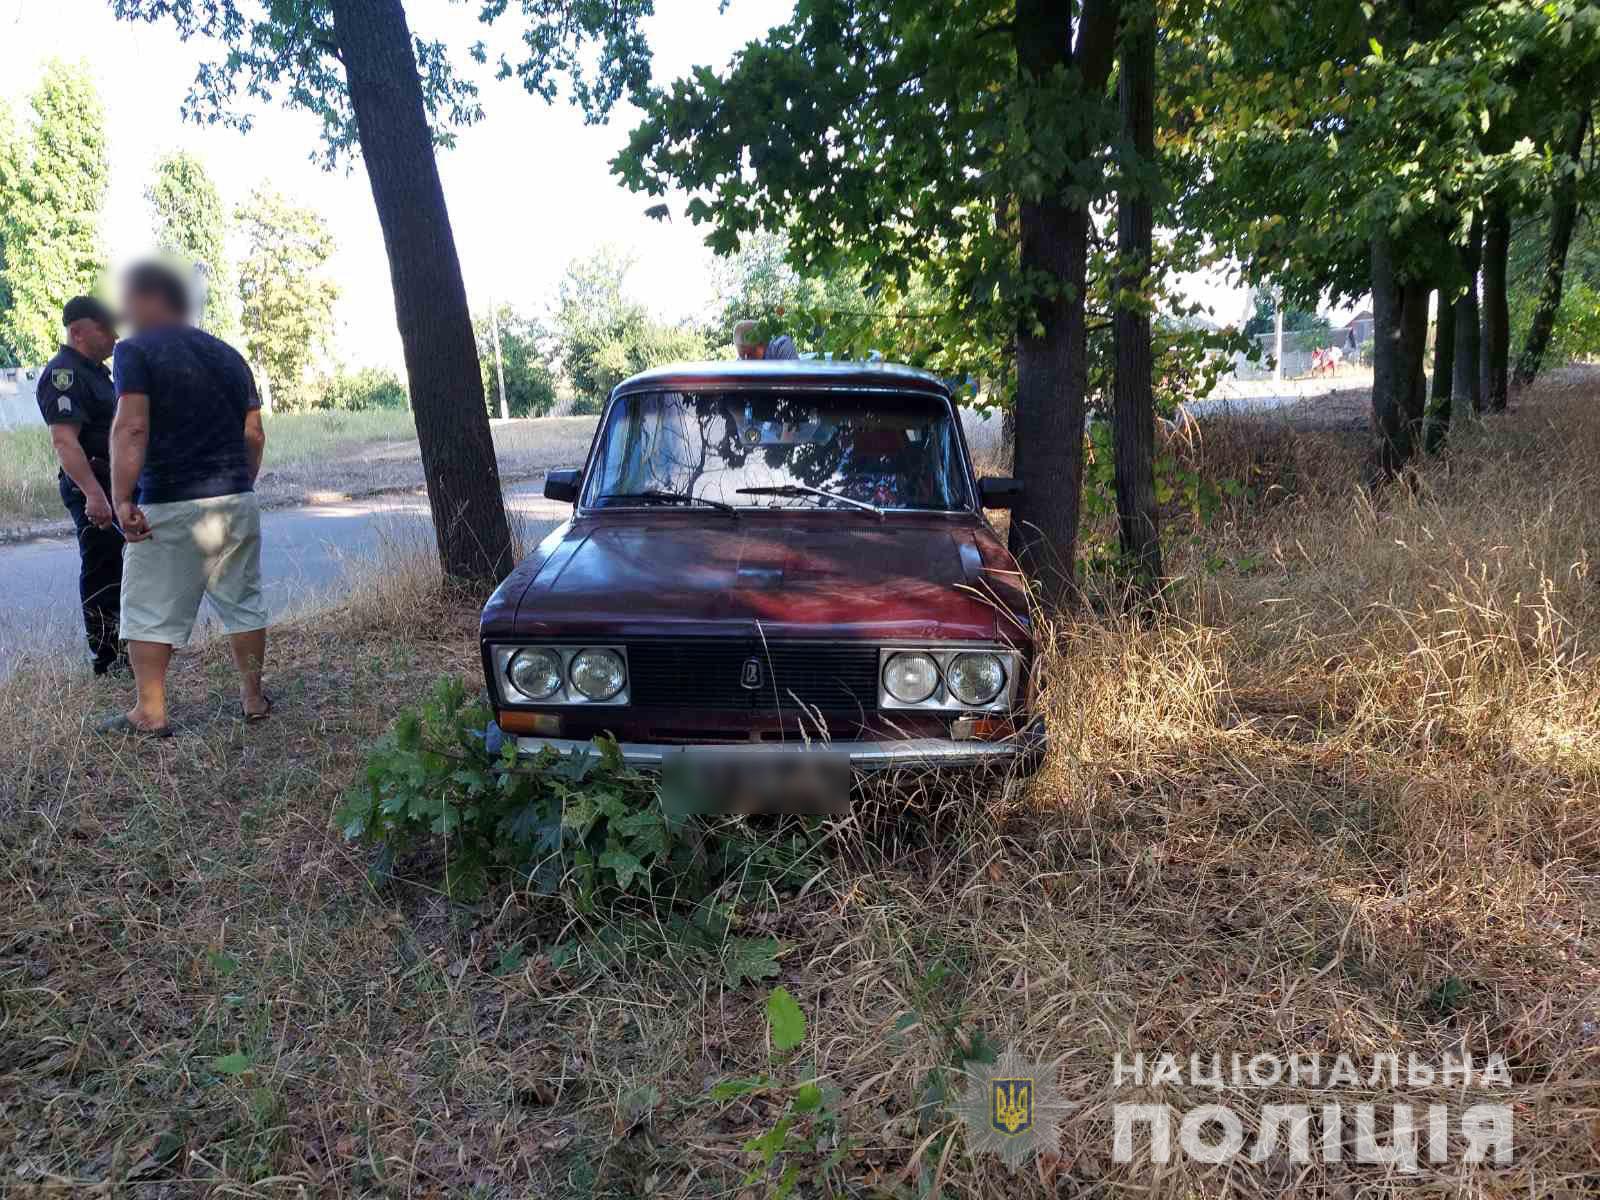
x=981, y=729
x=537, y=724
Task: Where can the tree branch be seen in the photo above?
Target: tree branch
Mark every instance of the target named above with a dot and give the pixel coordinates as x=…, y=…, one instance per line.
x=328, y=44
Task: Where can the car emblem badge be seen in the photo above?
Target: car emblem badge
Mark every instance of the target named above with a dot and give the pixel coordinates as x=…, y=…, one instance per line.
x=750, y=674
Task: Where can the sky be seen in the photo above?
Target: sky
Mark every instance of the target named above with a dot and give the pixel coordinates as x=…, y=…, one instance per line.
x=529, y=187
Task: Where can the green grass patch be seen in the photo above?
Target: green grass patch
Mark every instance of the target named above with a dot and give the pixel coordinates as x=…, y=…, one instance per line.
x=27, y=474
x=305, y=437
x=28, y=462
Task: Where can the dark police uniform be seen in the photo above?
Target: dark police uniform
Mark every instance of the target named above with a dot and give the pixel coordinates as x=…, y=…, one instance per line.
x=76, y=390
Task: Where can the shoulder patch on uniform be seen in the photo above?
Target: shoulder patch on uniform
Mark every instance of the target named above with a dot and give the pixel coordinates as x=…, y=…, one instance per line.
x=61, y=377
x=64, y=404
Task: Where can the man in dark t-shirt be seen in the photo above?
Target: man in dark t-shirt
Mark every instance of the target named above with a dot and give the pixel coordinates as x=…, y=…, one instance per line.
x=77, y=402
x=188, y=432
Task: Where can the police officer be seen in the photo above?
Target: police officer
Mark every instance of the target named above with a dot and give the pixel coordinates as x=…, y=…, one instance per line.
x=77, y=402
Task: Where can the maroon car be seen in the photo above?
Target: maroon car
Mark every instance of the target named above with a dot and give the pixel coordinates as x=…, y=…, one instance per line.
x=786, y=557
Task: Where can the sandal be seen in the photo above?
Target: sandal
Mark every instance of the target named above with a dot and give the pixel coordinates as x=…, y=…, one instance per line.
x=251, y=718
x=121, y=724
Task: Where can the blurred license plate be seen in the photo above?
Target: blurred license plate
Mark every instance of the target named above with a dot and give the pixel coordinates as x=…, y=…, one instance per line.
x=809, y=782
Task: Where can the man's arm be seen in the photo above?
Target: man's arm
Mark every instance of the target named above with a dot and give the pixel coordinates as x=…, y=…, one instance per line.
x=62, y=410
x=255, y=440
x=69, y=450
x=130, y=436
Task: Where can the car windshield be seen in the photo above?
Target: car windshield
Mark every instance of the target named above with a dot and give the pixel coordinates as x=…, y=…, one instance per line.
x=893, y=452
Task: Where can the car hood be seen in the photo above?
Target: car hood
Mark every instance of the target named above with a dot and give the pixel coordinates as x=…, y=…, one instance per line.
x=822, y=575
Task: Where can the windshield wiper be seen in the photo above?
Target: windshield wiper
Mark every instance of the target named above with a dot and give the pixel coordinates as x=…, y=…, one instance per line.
x=802, y=489
x=658, y=497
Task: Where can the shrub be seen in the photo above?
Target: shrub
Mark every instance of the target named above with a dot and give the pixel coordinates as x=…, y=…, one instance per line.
x=370, y=387
x=583, y=822
x=1576, y=334
x=443, y=771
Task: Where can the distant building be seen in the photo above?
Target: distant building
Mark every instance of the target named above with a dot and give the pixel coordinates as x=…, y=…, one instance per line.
x=17, y=403
x=1360, y=324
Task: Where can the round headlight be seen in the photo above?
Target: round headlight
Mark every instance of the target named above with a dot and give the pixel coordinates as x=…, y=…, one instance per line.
x=975, y=678
x=597, y=674
x=910, y=678
x=535, y=673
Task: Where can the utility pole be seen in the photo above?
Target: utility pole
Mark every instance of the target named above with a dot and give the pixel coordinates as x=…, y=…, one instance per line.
x=499, y=367
x=1277, y=324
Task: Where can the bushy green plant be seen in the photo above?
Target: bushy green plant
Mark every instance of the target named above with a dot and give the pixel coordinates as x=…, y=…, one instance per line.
x=585, y=820
x=1577, y=329
x=358, y=391
x=584, y=823
x=1177, y=482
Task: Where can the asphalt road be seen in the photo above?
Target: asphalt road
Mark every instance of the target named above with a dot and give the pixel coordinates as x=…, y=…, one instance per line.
x=305, y=556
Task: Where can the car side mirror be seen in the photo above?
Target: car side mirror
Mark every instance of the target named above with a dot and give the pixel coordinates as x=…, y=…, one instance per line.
x=996, y=491
x=562, y=485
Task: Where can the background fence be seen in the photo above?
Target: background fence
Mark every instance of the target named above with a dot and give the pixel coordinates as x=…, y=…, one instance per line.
x=1354, y=342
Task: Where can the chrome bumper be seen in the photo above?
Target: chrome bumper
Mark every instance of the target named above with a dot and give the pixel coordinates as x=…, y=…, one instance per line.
x=1022, y=753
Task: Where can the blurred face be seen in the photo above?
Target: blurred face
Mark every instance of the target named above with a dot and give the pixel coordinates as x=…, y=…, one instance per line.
x=745, y=342
x=92, y=339
x=144, y=310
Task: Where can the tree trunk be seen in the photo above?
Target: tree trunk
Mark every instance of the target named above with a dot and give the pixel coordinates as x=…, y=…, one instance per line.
x=1399, y=342
x=1133, y=426
x=1563, y=221
x=1444, y=358
x=1465, y=387
x=1051, y=382
x=1052, y=343
x=430, y=299
x=1496, y=310
x=1414, y=342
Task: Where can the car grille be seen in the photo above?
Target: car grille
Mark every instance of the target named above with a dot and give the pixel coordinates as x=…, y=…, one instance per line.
x=829, y=677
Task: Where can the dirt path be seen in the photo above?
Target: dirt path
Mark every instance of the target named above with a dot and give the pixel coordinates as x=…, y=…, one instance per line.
x=1347, y=409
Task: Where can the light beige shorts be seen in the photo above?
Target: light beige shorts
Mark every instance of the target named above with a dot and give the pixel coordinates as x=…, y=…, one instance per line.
x=196, y=548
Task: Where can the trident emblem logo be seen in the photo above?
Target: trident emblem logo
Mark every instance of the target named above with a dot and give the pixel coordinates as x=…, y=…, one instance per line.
x=1013, y=1106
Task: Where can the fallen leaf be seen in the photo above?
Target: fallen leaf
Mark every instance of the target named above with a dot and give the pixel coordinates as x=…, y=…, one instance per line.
x=1049, y=1165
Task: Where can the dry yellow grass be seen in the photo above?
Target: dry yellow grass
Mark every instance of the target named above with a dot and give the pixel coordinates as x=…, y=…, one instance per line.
x=1343, y=798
